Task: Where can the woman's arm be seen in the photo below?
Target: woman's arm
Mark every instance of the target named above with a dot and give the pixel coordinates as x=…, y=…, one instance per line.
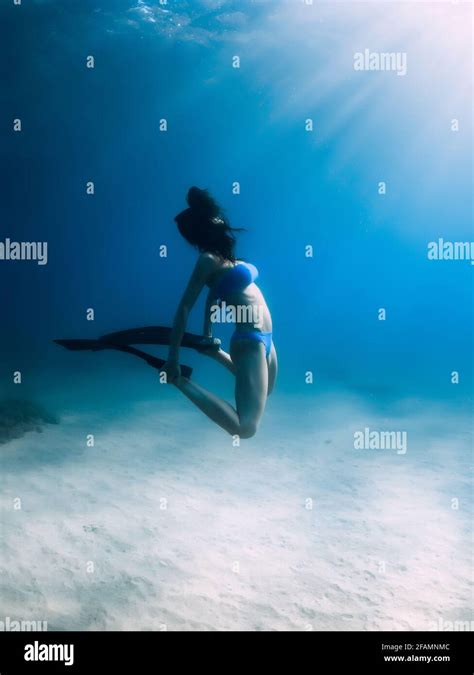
x=205, y=266
x=207, y=327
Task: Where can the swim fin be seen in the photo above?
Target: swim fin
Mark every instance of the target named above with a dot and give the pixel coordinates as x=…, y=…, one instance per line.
x=98, y=345
x=160, y=335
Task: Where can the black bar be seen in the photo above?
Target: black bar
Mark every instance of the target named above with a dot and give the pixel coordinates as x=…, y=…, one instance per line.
x=319, y=652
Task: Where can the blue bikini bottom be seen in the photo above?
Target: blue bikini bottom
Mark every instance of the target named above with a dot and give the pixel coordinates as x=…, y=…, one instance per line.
x=256, y=336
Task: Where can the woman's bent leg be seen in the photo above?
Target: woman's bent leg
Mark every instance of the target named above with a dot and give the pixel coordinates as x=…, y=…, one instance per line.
x=251, y=386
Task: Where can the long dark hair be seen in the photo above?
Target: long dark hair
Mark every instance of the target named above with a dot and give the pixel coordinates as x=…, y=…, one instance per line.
x=205, y=226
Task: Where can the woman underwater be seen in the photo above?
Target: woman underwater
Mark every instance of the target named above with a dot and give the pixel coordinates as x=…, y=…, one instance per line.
x=252, y=357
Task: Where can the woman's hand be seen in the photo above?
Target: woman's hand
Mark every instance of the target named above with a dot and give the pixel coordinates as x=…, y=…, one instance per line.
x=172, y=370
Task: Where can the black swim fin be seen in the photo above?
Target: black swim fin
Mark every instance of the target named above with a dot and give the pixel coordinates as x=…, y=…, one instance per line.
x=160, y=335
x=82, y=345
x=98, y=345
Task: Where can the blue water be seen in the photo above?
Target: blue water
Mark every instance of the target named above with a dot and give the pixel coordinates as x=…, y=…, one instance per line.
x=298, y=188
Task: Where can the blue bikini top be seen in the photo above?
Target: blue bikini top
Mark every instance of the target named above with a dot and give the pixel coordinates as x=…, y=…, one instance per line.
x=235, y=279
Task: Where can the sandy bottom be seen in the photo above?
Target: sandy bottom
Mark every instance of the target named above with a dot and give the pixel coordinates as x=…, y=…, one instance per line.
x=164, y=525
